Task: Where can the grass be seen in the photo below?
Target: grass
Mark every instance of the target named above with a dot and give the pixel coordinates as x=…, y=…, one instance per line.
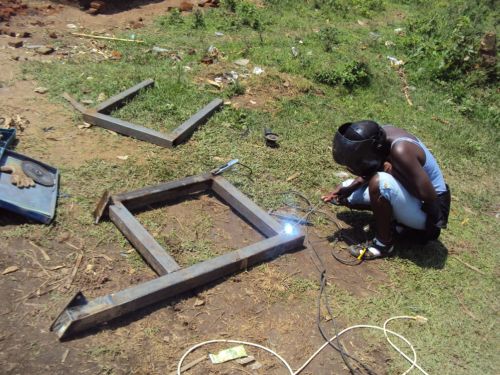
x=461, y=304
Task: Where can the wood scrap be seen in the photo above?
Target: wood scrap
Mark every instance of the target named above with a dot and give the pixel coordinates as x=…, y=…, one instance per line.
x=10, y=269
x=107, y=38
x=190, y=365
x=65, y=355
x=44, y=253
x=469, y=265
x=75, y=270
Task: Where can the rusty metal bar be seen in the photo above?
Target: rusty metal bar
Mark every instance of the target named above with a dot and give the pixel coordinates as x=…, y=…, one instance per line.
x=127, y=128
x=185, y=130
x=156, y=256
x=164, y=192
x=81, y=314
x=119, y=100
x=245, y=207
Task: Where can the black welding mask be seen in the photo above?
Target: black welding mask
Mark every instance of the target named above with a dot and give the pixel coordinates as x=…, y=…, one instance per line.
x=359, y=147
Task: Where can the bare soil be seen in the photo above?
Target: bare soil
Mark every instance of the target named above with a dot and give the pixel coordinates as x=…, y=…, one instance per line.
x=256, y=305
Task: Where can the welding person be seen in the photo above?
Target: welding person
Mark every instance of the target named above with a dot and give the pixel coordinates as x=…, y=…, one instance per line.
x=398, y=179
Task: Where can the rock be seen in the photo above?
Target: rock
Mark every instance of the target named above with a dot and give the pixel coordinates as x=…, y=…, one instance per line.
x=199, y=302
x=16, y=43
x=71, y=26
x=41, y=90
x=186, y=6
x=45, y=50
x=53, y=35
x=242, y=62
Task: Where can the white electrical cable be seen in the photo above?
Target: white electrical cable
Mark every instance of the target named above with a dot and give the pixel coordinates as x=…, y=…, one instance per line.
x=413, y=361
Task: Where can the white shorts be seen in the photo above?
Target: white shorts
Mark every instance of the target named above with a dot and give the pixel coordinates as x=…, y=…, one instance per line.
x=406, y=209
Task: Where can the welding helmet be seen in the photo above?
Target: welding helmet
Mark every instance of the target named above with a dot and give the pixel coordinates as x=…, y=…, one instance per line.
x=360, y=146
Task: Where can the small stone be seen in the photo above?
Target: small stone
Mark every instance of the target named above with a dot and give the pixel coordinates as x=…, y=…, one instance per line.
x=45, y=50
x=53, y=35
x=41, y=90
x=199, y=302
x=242, y=62
x=255, y=366
x=71, y=26
x=15, y=43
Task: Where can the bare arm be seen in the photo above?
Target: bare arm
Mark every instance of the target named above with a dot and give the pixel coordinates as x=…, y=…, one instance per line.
x=408, y=169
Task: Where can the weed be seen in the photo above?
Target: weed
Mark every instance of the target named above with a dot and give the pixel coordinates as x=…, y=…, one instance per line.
x=329, y=36
x=199, y=20
x=351, y=75
x=230, y=5
x=235, y=89
x=175, y=17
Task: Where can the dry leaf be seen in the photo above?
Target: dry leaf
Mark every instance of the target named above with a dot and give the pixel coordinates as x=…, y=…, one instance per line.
x=10, y=269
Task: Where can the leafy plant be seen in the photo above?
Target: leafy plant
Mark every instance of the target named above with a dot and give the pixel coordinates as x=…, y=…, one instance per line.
x=175, y=17
x=199, y=20
x=235, y=89
x=329, y=36
x=350, y=75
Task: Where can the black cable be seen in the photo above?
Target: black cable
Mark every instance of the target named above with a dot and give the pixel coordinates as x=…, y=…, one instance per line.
x=339, y=348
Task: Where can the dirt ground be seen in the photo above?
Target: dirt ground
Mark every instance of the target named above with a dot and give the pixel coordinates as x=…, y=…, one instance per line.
x=253, y=305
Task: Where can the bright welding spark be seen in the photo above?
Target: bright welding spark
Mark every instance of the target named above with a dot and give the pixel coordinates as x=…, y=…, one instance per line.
x=288, y=228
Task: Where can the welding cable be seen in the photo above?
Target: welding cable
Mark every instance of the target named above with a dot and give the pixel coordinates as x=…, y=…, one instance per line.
x=412, y=361
x=309, y=210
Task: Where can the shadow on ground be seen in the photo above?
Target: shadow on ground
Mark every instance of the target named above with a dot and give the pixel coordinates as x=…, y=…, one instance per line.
x=432, y=254
x=117, y=6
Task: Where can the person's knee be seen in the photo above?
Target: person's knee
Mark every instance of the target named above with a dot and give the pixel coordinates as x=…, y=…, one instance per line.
x=381, y=185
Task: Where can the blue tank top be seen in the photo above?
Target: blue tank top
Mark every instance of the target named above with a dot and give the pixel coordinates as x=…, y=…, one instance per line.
x=431, y=167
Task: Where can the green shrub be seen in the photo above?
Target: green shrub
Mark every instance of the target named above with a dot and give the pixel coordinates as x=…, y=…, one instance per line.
x=329, y=36
x=199, y=19
x=350, y=75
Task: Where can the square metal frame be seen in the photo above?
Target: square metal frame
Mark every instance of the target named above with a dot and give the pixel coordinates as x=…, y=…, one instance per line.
x=81, y=314
x=99, y=116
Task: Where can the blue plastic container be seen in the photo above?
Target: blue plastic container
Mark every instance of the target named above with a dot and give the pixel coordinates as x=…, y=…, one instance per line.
x=37, y=203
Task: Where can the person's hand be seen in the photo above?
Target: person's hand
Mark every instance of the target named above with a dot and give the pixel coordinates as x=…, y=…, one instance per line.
x=387, y=167
x=339, y=195
x=18, y=177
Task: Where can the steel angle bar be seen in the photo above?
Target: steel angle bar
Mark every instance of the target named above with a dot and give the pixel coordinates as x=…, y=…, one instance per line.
x=77, y=105
x=81, y=314
x=164, y=192
x=185, y=130
x=156, y=256
x=126, y=128
x=99, y=116
x=120, y=99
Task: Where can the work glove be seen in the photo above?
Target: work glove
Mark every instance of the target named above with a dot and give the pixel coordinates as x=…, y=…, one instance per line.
x=18, y=177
